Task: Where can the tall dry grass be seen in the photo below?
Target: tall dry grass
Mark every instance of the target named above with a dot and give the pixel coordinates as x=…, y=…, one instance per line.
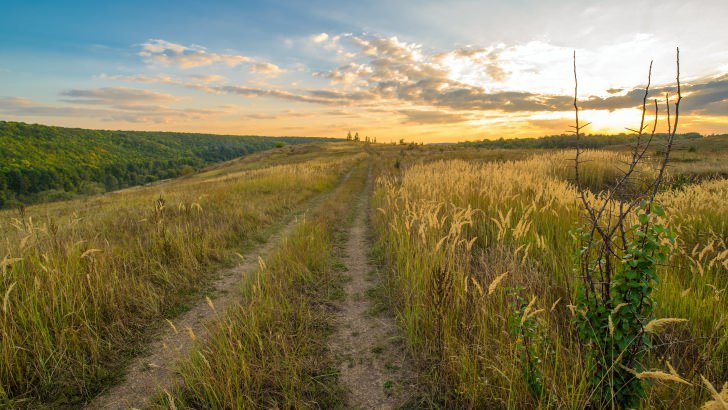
x=270, y=350
x=81, y=281
x=448, y=229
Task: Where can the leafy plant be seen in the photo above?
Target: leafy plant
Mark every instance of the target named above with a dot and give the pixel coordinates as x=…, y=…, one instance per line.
x=617, y=263
x=613, y=329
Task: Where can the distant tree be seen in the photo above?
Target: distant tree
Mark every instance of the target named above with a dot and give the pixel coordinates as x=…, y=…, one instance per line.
x=187, y=170
x=356, y=137
x=348, y=136
x=111, y=182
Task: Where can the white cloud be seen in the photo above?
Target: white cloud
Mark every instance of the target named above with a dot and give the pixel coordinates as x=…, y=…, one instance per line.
x=267, y=69
x=319, y=38
x=348, y=74
x=172, y=54
x=163, y=52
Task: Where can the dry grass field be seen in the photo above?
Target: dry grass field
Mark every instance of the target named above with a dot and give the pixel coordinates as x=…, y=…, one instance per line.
x=82, y=281
x=474, y=256
x=477, y=251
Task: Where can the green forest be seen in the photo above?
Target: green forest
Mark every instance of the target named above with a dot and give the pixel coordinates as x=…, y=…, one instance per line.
x=41, y=163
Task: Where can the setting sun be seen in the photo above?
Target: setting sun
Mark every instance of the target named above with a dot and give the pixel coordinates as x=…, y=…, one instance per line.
x=615, y=122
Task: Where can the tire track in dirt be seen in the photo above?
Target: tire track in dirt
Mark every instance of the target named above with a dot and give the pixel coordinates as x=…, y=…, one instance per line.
x=155, y=371
x=368, y=346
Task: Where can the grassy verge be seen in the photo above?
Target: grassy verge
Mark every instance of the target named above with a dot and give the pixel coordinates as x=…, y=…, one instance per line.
x=82, y=280
x=270, y=351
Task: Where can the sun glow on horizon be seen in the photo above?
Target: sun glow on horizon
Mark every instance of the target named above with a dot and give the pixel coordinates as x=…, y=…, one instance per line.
x=613, y=122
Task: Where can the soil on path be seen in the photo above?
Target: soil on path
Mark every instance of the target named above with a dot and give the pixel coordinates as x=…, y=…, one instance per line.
x=367, y=344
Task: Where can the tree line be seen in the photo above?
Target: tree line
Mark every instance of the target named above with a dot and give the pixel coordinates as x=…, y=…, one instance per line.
x=569, y=141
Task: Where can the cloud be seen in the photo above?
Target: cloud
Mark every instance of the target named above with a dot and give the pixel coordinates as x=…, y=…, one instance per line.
x=24, y=107
x=117, y=96
x=206, y=79
x=450, y=86
x=268, y=69
x=480, y=79
x=325, y=97
x=194, y=82
x=319, y=38
x=156, y=51
x=108, y=104
x=260, y=116
x=140, y=78
x=432, y=117
x=348, y=74
x=707, y=96
x=289, y=114
x=262, y=92
x=469, y=64
x=400, y=71
x=163, y=52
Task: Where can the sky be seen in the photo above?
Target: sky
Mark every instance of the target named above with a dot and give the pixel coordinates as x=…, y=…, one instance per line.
x=425, y=71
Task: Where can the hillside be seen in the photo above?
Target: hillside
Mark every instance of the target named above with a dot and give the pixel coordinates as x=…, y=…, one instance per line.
x=42, y=163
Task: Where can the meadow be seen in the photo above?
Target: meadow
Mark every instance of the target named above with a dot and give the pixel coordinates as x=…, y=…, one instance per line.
x=476, y=265
x=479, y=263
x=270, y=350
x=83, y=280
